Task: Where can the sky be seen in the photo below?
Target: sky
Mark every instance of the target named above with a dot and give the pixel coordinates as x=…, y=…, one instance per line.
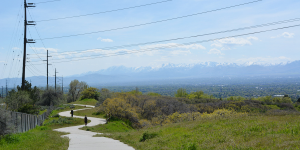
x=112, y=33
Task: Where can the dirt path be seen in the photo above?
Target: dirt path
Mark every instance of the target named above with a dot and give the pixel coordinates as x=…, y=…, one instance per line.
x=84, y=140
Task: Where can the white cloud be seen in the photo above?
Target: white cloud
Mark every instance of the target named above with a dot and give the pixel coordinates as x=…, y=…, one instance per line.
x=229, y=43
x=104, y=40
x=284, y=35
x=215, y=51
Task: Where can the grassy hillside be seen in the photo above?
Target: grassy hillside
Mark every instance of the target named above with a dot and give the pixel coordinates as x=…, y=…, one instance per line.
x=251, y=132
x=85, y=102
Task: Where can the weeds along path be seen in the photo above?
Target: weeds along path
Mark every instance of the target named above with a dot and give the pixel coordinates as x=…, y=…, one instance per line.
x=84, y=140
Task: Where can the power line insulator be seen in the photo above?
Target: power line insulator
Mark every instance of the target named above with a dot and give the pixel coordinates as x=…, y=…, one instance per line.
x=30, y=41
x=32, y=23
x=30, y=5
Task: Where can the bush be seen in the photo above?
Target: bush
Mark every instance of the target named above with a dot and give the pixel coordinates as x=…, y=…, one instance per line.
x=90, y=93
x=277, y=112
x=147, y=136
x=29, y=109
x=286, y=106
x=50, y=98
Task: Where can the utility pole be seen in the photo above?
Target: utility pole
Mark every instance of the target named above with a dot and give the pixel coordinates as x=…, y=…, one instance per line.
x=55, y=79
x=2, y=92
x=6, y=88
x=47, y=67
x=26, y=23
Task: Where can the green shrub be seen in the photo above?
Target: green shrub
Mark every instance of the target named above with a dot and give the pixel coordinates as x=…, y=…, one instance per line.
x=147, y=136
x=11, y=138
x=90, y=93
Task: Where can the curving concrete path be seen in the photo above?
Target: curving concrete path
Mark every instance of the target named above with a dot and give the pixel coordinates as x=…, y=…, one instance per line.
x=84, y=140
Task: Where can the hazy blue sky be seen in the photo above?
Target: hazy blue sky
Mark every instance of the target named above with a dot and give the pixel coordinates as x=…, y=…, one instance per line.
x=269, y=47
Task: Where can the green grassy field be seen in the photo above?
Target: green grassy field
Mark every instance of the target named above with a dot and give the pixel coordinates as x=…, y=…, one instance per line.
x=40, y=138
x=251, y=132
x=85, y=102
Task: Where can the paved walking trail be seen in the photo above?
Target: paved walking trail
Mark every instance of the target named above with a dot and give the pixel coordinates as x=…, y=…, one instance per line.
x=84, y=140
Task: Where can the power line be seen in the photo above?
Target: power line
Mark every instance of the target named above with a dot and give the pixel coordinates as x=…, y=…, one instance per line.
x=107, y=11
x=180, y=38
x=155, y=21
x=178, y=45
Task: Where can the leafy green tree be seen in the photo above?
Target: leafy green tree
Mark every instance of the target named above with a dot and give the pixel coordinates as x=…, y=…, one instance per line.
x=50, y=98
x=181, y=93
x=236, y=98
x=75, y=89
x=15, y=100
x=136, y=91
x=35, y=95
x=90, y=93
x=27, y=87
x=298, y=100
x=153, y=94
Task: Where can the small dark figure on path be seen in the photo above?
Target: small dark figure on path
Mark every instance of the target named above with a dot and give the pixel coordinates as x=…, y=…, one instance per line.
x=72, y=112
x=85, y=120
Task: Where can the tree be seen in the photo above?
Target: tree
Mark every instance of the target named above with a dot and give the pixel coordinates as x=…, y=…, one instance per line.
x=181, y=93
x=104, y=94
x=90, y=93
x=27, y=87
x=298, y=100
x=35, y=95
x=15, y=100
x=75, y=89
x=50, y=98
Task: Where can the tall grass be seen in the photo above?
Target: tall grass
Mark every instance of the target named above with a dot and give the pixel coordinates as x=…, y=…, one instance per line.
x=247, y=132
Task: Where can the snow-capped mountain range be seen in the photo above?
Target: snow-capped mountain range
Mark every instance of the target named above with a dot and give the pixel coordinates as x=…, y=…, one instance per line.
x=121, y=75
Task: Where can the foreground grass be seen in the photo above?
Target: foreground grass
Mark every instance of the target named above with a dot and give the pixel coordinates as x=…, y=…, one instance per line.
x=86, y=102
x=252, y=132
x=40, y=138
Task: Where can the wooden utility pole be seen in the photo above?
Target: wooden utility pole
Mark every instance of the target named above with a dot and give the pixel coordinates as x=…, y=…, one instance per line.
x=26, y=23
x=55, y=79
x=47, y=67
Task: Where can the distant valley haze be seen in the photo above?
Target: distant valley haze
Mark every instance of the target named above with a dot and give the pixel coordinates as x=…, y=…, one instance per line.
x=172, y=74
